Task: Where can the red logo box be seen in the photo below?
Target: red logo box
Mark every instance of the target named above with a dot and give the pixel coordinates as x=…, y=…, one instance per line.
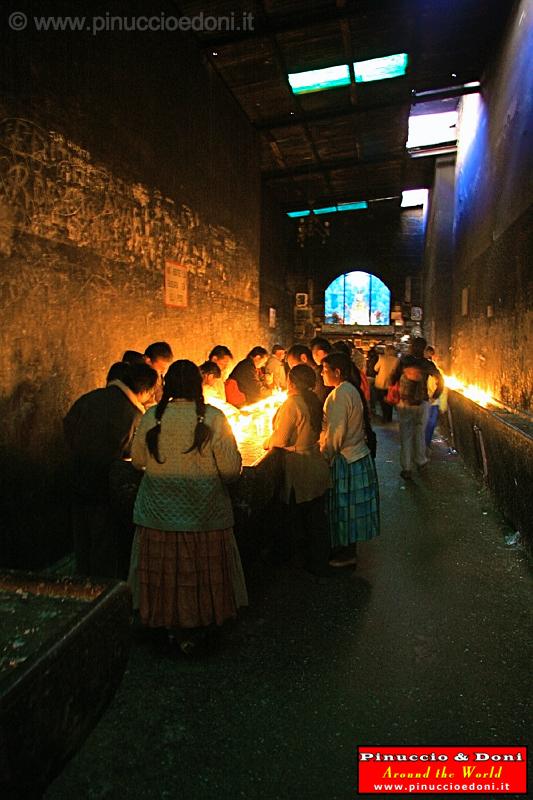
x=442, y=770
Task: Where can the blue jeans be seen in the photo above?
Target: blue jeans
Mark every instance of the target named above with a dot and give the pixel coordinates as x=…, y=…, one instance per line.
x=433, y=416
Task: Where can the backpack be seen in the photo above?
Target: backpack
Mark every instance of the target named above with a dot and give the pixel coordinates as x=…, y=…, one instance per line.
x=412, y=386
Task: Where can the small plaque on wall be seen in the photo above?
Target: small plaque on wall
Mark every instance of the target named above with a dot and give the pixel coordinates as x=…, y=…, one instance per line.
x=176, y=285
x=271, y=317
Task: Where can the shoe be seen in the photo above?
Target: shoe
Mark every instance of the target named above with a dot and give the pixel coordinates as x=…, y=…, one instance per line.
x=423, y=467
x=343, y=562
x=406, y=474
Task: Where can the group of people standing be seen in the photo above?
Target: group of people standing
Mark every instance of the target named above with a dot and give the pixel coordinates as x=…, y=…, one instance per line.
x=184, y=564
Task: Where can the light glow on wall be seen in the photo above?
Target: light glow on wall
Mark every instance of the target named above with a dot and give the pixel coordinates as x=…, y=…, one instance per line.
x=317, y=80
x=414, y=197
x=430, y=129
x=471, y=111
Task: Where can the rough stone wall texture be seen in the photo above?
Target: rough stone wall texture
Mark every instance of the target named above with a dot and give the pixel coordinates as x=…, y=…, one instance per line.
x=492, y=337
x=497, y=449
x=98, y=187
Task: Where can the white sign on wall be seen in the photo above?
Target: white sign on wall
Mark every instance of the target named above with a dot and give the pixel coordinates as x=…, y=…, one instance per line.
x=176, y=285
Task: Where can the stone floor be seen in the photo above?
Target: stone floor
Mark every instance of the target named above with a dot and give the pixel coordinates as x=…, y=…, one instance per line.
x=429, y=642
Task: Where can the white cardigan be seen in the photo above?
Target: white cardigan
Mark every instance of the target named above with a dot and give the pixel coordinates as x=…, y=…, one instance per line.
x=344, y=431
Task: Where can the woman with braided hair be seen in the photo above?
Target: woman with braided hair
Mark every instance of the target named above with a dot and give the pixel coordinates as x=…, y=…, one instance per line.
x=186, y=572
x=347, y=443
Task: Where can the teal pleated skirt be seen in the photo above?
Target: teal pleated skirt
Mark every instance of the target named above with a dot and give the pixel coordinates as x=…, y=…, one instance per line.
x=353, y=502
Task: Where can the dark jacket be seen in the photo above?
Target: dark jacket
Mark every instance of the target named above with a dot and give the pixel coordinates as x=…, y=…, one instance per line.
x=321, y=390
x=248, y=381
x=99, y=428
x=410, y=365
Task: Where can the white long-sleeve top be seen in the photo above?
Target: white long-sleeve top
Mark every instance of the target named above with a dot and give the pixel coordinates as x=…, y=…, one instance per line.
x=344, y=431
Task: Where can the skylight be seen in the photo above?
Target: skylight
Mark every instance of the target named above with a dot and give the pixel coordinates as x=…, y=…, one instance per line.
x=326, y=210
x=316, y=80
x=430, y=129
x=355, y=206
x=380, y=69
x=414, y=197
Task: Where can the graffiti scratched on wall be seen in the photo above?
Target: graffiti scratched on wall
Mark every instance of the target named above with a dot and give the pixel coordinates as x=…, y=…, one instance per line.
x=54, y=190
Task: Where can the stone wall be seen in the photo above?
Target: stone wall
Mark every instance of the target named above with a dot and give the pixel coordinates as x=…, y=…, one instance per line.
x=108, y=170
x=492, y=317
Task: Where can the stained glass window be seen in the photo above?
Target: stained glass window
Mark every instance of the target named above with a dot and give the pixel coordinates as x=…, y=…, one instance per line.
x=357, y=298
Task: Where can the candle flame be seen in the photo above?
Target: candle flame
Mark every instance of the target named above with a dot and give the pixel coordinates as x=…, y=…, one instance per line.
x=252, y=423
x=470, y=390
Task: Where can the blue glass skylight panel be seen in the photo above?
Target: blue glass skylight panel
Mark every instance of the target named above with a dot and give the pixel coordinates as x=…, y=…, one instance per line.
x=380, y=69
x=326, y=210
x=355, y=206
x=317, y=80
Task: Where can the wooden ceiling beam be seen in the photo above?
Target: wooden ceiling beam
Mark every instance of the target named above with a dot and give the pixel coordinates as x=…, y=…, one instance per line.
x=265, y=25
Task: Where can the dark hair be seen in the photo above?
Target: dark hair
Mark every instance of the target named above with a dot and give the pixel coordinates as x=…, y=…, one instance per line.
x=219, y=351
x=117, y=372
x=276, y=347
x=430, y=348
x=349, y=372
x=323, y=344
x=159, y=350
x=210, y=368
x=342, y=347
x=257, y=351
x=133, y=357
x=304, y=379
x=183, y=380
x=299, y=350
x=140, y=378
x=418, y=345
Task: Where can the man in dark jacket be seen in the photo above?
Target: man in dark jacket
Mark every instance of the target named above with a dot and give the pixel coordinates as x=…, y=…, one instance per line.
x=412, y=375
x=99, y=428
x=248, y=379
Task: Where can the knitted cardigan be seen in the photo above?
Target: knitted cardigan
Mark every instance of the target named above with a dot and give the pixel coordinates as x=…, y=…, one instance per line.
x=187, y=491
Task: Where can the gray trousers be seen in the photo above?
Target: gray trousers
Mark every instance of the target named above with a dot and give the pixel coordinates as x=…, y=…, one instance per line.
x=413, y=421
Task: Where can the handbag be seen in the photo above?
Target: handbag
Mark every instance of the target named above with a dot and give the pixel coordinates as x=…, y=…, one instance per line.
x=393, y=394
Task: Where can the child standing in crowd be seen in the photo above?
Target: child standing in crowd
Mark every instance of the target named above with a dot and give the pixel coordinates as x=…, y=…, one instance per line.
x=306, y=478
x=354, y=499
x=186, y=571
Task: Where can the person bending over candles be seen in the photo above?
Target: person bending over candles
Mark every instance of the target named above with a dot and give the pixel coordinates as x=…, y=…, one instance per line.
x=185, y=573
x=353, y=502
x=297, y=425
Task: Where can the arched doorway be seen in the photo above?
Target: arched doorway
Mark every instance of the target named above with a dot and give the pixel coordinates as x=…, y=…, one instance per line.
x=357, y=298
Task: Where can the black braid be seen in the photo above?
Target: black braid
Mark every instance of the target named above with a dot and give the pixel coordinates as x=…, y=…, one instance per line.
x=349, y=372
x=152, y=436
x=202, y=432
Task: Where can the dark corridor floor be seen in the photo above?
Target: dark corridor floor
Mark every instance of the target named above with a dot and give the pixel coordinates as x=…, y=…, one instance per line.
x=428, y=643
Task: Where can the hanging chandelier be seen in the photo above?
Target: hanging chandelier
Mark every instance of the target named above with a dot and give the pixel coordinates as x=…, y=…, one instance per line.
x=312, y=227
